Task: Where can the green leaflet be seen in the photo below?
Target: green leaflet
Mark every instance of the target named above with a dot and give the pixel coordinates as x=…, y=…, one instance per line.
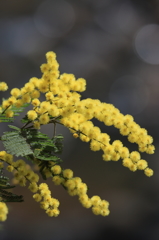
x=15, y=144
x=43, y=147
x=31, y=143
x=16, y=111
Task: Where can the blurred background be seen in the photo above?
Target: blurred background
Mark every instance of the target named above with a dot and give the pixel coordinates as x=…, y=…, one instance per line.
x=114, y=45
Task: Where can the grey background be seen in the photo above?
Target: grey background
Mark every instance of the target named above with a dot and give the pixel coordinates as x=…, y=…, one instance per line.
x=114, y=45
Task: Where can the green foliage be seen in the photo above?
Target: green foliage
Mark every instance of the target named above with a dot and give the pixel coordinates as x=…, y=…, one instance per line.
x=6, y=196
x=15, y=143
x=42, y=146
x=31, y=143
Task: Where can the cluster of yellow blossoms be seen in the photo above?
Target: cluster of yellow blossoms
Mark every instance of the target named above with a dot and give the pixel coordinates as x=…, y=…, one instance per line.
x=63, y=104
x=23, y=173
x=75, y=186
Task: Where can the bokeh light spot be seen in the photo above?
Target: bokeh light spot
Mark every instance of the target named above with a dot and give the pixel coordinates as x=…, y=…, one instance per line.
x=147, y=43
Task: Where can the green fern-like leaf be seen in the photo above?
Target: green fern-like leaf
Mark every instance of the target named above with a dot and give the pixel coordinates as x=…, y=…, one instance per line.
x=15, y=144
x=44, y=148
x=31, y=143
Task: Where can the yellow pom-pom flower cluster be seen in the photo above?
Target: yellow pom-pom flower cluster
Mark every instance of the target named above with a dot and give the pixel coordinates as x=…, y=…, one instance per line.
x=49, y=204
x=62, y=104
x=23, y=173
x=76, y=187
